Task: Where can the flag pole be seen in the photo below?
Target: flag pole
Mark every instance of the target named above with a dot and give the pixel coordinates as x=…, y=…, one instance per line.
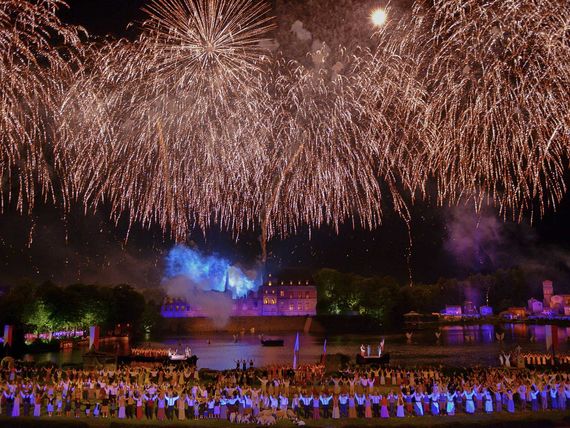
x=296, y=352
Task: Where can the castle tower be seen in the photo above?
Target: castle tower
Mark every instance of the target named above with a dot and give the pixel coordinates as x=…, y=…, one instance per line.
x=548, y=291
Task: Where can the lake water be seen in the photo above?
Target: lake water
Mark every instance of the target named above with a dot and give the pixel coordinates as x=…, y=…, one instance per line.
x=457, y=346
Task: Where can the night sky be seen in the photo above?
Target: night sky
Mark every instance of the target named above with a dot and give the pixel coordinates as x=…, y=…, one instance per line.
x=446, y=241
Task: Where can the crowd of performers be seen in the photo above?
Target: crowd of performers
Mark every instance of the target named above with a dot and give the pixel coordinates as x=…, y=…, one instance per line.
x=536, y=359
x=516, y=358
x=182, y=392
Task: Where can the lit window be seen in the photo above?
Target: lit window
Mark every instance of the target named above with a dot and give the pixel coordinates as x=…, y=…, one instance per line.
x=265, y=301
x=282, y=293
x=291, y=306
x=307, y=295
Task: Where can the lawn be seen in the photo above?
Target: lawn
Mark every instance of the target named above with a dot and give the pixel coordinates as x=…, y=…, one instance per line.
x=527, y=419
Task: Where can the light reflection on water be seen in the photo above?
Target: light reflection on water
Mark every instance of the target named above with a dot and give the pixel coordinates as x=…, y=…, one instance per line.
x=457, y=346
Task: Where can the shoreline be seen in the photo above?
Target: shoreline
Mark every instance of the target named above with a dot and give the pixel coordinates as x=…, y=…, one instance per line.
x=325, y=324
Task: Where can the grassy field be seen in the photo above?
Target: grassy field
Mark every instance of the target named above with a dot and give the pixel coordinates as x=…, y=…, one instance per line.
x=503, y=420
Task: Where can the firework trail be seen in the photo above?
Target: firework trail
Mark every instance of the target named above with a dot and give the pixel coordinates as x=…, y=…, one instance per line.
x=30, y=72
x=498, y=78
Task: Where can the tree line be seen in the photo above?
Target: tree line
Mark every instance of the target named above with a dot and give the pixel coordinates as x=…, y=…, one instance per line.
x=384, y=299
x=47, y=307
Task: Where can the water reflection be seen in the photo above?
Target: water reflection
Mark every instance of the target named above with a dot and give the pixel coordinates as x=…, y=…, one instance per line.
x=487, y=333
x=518, y=330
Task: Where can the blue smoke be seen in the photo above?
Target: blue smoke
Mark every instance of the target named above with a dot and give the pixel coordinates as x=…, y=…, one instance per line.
x=209, y=273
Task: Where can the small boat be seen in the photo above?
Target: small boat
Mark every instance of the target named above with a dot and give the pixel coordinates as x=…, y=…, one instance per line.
x=127, y=359
x=384, y=359
x=271, y=341
x=175, y=356
x=178, y=357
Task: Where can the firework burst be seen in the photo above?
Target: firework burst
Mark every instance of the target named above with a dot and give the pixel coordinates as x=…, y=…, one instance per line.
x=165, y=154
x=206, y=44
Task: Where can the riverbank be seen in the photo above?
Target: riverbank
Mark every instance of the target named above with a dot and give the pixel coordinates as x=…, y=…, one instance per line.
x=504, y=420
x=324, y=324
x=496, y=321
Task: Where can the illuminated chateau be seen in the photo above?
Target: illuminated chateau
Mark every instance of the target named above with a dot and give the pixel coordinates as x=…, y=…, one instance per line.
x=273, y=298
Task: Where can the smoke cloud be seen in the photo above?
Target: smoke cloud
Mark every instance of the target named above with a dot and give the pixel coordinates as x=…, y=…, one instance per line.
x=207, y=282
x=473, y=239
x=483, y=242
x=215, y=305
x=301, y=33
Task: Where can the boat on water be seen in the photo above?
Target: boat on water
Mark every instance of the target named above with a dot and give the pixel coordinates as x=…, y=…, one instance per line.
x=175, y=356
x=381, y=360
x=271, y=341
x=160, y=355
x=192, y=360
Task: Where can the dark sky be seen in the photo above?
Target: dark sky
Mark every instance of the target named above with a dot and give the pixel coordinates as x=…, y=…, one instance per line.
x=446, y=241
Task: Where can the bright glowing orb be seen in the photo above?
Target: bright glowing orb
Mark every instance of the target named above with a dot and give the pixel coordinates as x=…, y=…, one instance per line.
x=378, y=17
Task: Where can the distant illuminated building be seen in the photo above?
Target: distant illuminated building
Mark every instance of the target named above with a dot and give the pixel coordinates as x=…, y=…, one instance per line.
x=452, y=311
x=288, y=298
x=469, y=309
x=548, y=291
x=557, y=304
x=514, y=313
x=535, y=306
x=274, y=298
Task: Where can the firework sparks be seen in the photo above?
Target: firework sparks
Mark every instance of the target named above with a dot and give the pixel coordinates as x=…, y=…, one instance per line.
x=498, y=79
x=217, y=43
x=195, y=124
x=30, y=68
